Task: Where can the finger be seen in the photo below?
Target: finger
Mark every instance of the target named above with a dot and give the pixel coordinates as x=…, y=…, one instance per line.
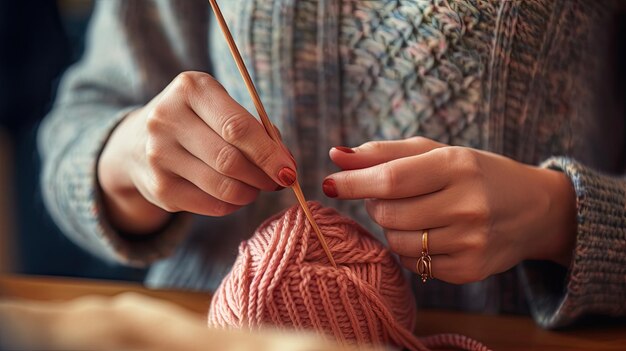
x=376, y=152
x=396, y=179
x=280, y=135
x=283, y=144
x=202, y=142
x=210, y=101
x=192, y=199
x=426, y=211
x=436, y=265
x=219, y=186
x=409, y=243
x=448, y=268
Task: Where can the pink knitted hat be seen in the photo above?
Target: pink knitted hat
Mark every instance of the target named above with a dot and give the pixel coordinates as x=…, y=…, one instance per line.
x=282, y=278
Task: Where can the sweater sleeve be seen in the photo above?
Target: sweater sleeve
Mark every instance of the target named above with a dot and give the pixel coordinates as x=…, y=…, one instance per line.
x=133, y=50
x=595, y=282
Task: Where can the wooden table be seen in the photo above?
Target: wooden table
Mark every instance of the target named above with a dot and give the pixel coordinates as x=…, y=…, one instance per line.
x=498, y=332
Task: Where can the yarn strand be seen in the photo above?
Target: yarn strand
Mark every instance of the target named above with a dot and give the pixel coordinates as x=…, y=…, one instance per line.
x=281, y=279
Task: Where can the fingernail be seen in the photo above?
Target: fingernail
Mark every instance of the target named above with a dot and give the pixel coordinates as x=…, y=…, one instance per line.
x=287, y=176
x=329, y=187
x=345, y=149
x=279, y=188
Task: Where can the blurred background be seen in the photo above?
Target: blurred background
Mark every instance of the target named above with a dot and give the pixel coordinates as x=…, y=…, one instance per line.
x=33, y=55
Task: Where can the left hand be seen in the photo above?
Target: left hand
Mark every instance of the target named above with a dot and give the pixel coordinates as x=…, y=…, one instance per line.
x=485, y=213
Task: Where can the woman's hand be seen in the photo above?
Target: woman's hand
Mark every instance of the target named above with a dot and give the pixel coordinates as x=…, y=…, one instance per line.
x=192, y=148
x=484, y=212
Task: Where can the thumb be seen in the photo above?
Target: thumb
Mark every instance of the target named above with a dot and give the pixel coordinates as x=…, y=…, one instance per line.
x=376, y=152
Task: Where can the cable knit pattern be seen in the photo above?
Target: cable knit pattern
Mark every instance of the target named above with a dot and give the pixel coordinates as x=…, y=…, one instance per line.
x=415, y=68
x=527, y=79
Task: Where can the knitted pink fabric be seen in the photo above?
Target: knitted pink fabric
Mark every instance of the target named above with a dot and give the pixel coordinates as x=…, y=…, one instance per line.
x=282, y=278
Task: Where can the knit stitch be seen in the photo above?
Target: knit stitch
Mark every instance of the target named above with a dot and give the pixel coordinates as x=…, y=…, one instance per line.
x=282, y=278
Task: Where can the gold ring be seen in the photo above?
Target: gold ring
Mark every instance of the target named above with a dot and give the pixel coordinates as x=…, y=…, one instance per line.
x=424, y=267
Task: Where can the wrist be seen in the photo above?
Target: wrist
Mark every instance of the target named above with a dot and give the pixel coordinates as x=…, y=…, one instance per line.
x=124, y=206
x=559, y=225
x=131, y=213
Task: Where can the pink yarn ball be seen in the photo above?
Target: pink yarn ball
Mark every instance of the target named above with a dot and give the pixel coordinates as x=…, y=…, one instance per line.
x=282, y=278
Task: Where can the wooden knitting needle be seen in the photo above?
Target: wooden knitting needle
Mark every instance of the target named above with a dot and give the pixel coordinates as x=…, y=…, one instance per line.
x=269, y=127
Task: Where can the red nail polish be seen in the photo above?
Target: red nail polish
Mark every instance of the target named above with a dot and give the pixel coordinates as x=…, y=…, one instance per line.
x=345, y=149
x=287, y=176
x=329, y=187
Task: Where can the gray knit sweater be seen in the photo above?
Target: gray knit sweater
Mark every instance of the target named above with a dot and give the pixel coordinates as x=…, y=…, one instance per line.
x=527, y=79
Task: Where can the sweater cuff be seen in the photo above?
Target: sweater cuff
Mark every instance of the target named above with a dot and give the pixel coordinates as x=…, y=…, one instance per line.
x=595, y=283
x=81, y=207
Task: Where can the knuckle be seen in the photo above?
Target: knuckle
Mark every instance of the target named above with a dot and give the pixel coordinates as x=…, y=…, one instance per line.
x=204, y=81
x=233, y=193
x=420, y=140
x=228, y=190
x=476, y=243
x=450, y=153
x=347, y=185
x=226, y=160
x=387, y=217
x=466, y=161
x=477, y=212
x=264, y=157
x=380, y=212
x=235, y=127
x=191, y=83
x=373, y=146
x=156, y=119
x=185, y=81
x=389, y=178
x=446, y=155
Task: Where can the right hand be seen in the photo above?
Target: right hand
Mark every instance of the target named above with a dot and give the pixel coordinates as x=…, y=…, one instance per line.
x=192, y=148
